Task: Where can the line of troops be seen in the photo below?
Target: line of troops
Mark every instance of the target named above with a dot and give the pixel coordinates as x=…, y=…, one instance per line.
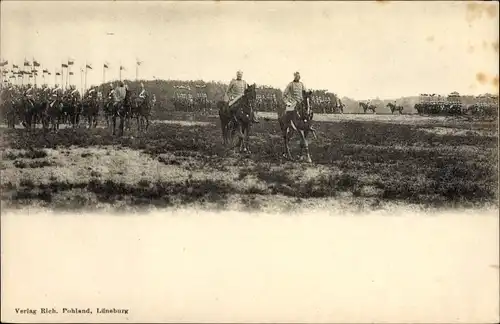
x=188, y=102
x=432, y=103
x=14, y=97
x=44, y=92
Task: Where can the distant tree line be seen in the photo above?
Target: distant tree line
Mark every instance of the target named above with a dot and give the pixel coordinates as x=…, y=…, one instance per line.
x=165, y=91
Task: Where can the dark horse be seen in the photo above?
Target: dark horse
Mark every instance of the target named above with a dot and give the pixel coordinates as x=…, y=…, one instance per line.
x=142, y=111
x=90, y=109
x=394, y=108
x=366, y=107
x=238, y=118
x=299, y=120
x=121, y=110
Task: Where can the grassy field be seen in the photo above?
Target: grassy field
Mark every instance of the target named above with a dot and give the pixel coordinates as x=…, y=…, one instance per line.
x=360, y=161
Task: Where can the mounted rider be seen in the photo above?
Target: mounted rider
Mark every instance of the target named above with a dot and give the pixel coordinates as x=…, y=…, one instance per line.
x=235, y=91
x=29, y=93
x=293, y=93
x=143, y=95
x=119, y=94
x=74, y=94
x=112, y=91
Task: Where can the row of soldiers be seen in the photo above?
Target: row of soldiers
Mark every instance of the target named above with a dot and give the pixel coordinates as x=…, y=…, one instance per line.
x=34, y=93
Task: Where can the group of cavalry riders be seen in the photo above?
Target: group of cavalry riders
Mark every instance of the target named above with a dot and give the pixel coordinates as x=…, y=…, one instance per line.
x=16, y=94
x=291, y=96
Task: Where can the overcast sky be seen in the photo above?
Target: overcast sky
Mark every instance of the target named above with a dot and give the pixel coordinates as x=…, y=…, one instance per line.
x=356, y=49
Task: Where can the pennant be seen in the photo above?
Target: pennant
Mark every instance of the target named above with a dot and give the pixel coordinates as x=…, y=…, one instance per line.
x=15, y=66
x=71, y=61
x=4, y=63
x=64, y=65
x=35, y=63
x=58, y=73
x=106, y=65
x=26, y=63
x=71, y=73
x=122, y=68
x=139, y=62
x=45, y=71
x=49, y=73
x=88, y=66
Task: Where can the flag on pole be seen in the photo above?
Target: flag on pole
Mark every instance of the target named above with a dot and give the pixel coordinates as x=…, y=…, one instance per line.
x=15, y=66
x=71, y=73
x=121, y=68
x=45, y=71
x=106, y=65
x=88, y=66
x=64, y=65
x=26, y=63
x=139, y=62
x=4, y=63
x=71, y=61
x=35, y=63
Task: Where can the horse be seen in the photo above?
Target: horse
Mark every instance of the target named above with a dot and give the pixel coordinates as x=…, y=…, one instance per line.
x=142, y=111
x=340, y=107
x=121, y=110
x=107, y=108
x=366, y=107
x=238, y=118
x=7, y=103
x=299, y=120
x=54, y=113
x=71, y=109
x=29, y=110
x=90, y=109
x=394, y=108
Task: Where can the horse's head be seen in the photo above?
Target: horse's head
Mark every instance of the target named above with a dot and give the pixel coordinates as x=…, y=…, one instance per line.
x=306, y=99
x=250, y=96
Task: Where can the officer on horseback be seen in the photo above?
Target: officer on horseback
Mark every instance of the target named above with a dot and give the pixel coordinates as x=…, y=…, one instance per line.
x=236, y=90
x=293, y=92
x=119, y=93
x=143, y=93
x=112, y=91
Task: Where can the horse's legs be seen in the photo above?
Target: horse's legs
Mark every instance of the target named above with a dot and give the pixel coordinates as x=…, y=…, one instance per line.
x=223, y=126
x=247, y=135
x=304, y=145
x=113, y=123
x=122, y=124
x=287, y=133
x=240, y=138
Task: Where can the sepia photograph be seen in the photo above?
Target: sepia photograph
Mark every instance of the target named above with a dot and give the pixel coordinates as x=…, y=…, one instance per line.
x=249, y=161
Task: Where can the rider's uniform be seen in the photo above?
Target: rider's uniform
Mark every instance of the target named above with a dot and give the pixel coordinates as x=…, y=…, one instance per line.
x=293, y=94
x=236, y=90
x=119, y=94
